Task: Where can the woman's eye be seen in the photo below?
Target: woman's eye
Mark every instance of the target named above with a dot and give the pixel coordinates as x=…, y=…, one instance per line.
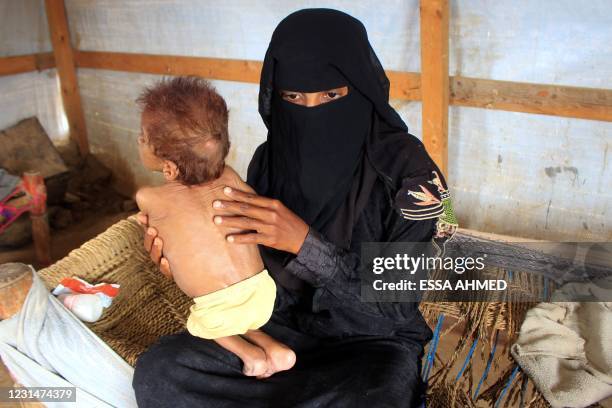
x=291, y=96
x=331, y=95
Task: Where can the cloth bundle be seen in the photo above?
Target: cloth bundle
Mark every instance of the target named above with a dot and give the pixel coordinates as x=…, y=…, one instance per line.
x=566, y=349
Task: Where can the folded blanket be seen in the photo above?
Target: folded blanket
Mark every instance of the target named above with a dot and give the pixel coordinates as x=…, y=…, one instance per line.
x=566, y=349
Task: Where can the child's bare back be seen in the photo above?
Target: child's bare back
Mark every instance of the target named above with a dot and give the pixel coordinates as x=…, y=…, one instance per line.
x=200, y=258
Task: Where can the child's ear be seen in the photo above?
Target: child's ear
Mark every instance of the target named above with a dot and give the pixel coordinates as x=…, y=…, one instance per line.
x=170, y=170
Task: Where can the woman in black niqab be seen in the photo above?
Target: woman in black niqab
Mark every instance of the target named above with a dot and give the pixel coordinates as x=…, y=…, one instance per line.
x=344, y=172
x=322, y=162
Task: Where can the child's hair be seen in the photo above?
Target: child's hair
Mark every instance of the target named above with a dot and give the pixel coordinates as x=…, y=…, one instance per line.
x=187, y=124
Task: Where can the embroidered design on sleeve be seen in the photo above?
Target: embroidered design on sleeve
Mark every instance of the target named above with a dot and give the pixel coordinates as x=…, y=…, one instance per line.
x=447, y=223
x=427, y=197
x=448, y=216
x=417, y=202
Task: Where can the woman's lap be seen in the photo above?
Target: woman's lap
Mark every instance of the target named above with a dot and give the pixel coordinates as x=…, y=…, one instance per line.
x=186, y=371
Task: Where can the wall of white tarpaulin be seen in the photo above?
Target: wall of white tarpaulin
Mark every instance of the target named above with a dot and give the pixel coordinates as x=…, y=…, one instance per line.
x=511, y=173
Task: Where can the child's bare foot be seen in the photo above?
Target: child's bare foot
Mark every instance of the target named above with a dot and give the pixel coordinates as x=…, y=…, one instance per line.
x=255, y=363
x=279, y=356
x=253, y=357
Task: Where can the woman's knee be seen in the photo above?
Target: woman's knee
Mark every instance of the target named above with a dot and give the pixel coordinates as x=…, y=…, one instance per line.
x=153, y=363
x=182, y=353
x=392, y=377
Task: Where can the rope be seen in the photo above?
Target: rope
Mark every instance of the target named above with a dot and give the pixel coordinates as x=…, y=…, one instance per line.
x=510, y=380
x=488, y=367
x=467, y=359
x=432, y=348
x=523, y=391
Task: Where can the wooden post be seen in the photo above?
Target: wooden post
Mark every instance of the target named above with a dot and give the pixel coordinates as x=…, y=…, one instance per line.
x=434, y=79
x=66, y=69
x=34, y=185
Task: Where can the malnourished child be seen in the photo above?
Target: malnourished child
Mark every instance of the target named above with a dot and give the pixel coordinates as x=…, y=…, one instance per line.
x=184, y=136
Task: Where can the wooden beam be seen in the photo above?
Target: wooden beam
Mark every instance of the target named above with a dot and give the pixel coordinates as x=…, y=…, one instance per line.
x=582, y=103
x=573, y=102
x=66, y=69
x=434, y=79
x=26, y=63
x=212, y=68
x=404, y=85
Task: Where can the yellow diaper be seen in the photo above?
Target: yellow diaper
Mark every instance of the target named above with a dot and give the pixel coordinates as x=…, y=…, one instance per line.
x=245, y=305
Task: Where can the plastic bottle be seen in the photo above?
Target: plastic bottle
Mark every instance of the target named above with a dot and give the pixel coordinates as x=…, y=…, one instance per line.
x=86, y=307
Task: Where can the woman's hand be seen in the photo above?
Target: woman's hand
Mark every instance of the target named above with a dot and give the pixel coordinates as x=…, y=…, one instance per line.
x=154, y=245
x=272, y=224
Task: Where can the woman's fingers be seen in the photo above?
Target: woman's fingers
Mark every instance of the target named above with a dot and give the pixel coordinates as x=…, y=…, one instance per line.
x=243, y=223
x=149, y=236
x=245, y=209
x=150, y=233
x=250, y=238
x=250, y=198
x=154, y=245
x=164, y=267
x=156, y=250
x=142, y=219
x=275, y=225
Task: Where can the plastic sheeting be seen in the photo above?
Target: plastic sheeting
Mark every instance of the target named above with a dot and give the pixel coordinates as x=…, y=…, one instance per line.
x=45, y=345
x=23, y=27
x=24, y=30
x=33, y=94
x=512, y=173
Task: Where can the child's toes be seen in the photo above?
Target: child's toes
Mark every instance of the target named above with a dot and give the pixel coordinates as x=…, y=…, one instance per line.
x=255, y=367
x=265, y=375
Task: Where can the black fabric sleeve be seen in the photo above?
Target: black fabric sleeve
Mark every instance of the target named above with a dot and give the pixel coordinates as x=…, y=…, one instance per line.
x=335, y=271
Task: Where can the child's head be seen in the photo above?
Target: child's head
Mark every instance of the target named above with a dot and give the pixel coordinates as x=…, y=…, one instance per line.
x=184, y=130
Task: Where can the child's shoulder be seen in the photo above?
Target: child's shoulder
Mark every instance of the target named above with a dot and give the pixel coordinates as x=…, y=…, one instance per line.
x=148, y=195
x=229, y=172
x=233, y=179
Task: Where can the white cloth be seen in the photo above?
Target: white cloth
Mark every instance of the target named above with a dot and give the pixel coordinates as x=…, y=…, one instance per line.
x=566, y=349
x=45, y=345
